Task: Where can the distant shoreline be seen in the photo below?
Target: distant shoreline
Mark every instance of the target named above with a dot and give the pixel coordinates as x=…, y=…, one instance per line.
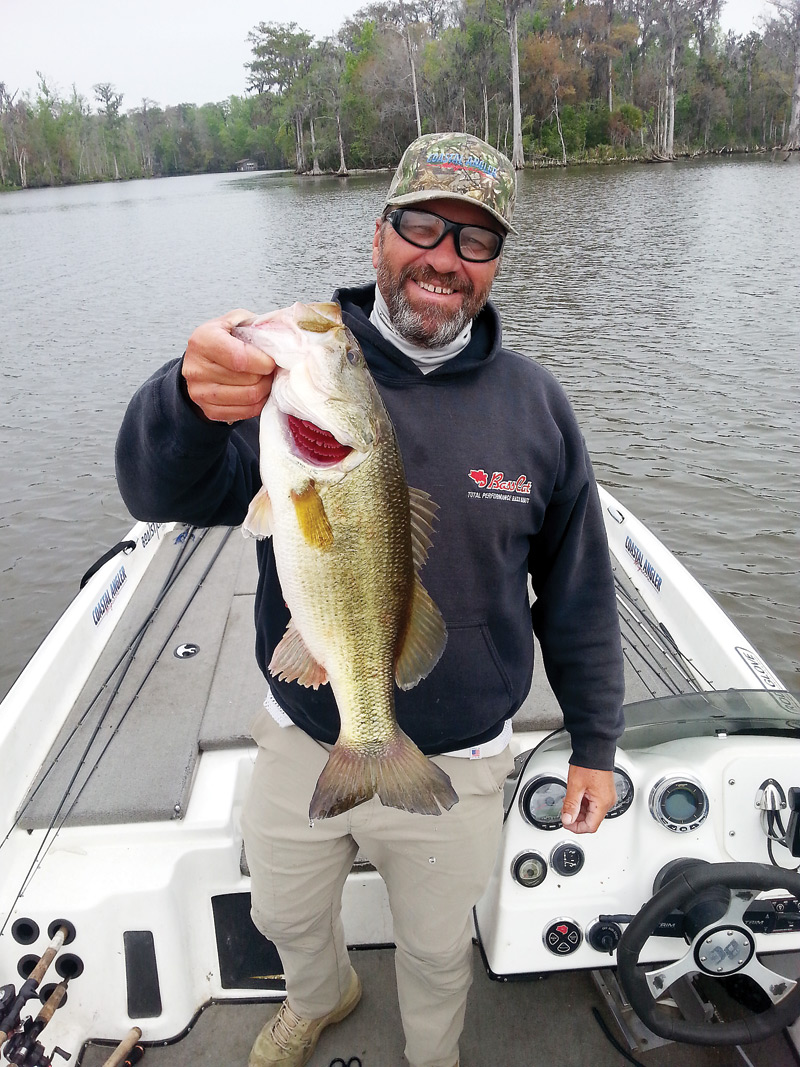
x=608, y=158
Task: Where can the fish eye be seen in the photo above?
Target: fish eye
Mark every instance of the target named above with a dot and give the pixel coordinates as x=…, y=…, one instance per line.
x=353, y=356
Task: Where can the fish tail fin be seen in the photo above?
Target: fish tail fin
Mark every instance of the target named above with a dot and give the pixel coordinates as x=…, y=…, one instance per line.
x=401, y=775
x=410, y=781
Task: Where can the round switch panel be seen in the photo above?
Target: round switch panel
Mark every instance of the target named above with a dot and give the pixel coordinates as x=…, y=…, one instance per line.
x=563, y=936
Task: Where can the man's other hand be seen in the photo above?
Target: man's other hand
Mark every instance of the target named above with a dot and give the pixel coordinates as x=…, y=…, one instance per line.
x=590, y=794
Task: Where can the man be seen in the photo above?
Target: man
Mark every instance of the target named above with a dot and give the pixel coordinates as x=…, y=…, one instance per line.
x=491, y=436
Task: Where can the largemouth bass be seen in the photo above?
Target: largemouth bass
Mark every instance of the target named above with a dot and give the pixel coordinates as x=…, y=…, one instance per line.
x=349, y=538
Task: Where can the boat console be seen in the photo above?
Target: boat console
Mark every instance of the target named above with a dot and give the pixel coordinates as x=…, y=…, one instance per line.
x=708, y=803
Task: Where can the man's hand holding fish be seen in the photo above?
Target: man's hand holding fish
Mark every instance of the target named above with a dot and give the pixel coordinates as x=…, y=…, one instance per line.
x=227, y=378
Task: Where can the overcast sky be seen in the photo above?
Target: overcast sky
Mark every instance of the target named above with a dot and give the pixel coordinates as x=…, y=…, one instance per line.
x=171, y=51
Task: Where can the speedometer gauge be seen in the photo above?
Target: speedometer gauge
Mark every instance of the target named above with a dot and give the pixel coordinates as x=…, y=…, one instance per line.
x=624, y=788
x=680, y=804
x=541, y=802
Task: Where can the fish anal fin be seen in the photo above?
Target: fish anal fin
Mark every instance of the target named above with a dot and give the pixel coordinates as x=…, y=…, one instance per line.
x=292, y=662
x=311, y=517
x=423, y=642
x=259, y=516
x=423, y=512
x=400, y=775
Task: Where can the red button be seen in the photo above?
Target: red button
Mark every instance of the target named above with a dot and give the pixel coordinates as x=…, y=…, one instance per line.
x=562, y=929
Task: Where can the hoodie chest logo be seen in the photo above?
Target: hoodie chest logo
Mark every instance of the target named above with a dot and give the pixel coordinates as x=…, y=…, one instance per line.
x=496, y=486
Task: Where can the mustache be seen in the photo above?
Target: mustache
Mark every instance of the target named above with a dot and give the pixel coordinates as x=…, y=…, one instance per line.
x=431, y=277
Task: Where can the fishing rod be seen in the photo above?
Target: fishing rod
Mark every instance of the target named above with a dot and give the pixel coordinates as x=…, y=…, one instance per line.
x=179, y=564
x=20, y=1041
x=128, y=1051
x=662, y=638
x=51, y=833
x=22, y=1046
x=129, y=654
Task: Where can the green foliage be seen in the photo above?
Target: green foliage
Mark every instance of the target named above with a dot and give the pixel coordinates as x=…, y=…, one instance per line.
x=597, y=69
x=597, y=117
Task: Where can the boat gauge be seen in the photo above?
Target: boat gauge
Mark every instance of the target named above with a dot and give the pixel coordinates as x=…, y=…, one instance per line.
x=529, y=869
x=541, y=802
x=680, y=804
x=624, y=788
x=567, y=859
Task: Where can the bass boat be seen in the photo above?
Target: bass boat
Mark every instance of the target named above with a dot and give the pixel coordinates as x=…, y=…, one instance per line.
x=125, y=755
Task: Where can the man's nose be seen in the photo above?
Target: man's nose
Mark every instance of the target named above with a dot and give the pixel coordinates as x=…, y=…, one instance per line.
x=444, y=258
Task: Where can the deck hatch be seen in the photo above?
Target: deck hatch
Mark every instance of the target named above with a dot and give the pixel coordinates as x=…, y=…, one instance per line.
x=247, y=960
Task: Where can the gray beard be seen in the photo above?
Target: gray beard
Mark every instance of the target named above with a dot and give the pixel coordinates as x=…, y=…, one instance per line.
x=416, y=326
x=412, y=325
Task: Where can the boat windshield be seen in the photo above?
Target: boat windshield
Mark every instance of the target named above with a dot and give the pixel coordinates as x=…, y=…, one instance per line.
x=770, y=713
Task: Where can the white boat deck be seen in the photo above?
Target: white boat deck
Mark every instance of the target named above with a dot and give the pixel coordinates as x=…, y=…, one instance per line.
x=131, y=754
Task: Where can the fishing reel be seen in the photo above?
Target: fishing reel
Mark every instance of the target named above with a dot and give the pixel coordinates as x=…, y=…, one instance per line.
x=24, y=1049
x=19, y=1043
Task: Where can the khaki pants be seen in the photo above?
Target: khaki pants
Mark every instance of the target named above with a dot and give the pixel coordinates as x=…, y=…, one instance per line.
x=435, y=869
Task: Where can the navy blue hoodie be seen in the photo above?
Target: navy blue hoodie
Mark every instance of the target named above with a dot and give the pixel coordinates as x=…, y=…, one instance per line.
x=491, y=436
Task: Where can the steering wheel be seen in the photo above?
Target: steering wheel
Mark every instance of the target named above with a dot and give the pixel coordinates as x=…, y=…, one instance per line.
x=721, y=948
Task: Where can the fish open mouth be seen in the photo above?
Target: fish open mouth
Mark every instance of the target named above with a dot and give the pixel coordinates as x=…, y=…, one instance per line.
x=315, y=445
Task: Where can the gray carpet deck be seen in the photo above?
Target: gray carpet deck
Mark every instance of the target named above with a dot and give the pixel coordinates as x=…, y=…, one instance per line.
x=133, y=738
x=546, y=1023
x=132, y=752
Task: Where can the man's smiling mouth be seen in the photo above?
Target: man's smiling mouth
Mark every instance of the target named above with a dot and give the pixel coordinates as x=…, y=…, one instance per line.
x=435, y=289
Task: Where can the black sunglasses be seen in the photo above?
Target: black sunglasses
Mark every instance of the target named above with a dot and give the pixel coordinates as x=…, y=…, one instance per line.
x=476, y=244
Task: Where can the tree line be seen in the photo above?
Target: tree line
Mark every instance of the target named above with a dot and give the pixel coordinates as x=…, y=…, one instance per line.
x=543, y=80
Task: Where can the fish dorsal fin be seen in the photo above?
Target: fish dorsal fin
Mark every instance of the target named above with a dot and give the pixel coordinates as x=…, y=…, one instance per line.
x=423, y=512
x=329, y=309
x=423, y=642
x=318, y=318
x=311, y=517
x=292, y=662
x=259, y=516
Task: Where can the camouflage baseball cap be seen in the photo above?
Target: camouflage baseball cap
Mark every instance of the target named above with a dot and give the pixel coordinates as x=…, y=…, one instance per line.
x=455, y=166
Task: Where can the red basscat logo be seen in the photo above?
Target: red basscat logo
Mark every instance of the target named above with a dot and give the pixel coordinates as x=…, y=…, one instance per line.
x=499, y=481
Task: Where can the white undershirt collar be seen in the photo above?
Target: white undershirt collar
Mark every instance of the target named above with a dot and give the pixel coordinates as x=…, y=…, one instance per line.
x=427, y=359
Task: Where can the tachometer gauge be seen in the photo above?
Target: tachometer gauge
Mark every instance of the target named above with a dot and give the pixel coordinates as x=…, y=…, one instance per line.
x=680, y=804
x=541, y=802
x=624, y=788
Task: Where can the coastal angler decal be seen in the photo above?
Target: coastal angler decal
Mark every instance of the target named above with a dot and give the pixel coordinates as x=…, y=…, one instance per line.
x=106, y=601
x=496, y=486
x=643, y=563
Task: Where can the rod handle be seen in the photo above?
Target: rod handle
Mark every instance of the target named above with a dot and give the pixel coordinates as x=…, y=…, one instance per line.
x=49, y=954
x=125, y=1046
x=50, y=1005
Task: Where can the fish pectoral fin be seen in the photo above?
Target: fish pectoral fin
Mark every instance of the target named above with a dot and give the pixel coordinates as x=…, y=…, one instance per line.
x=259, y=516
x=311, y=517
x=423, y=511
x=292, y=662
x=424, y=640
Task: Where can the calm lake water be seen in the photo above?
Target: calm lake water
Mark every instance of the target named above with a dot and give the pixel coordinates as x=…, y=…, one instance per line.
x=666, y=299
